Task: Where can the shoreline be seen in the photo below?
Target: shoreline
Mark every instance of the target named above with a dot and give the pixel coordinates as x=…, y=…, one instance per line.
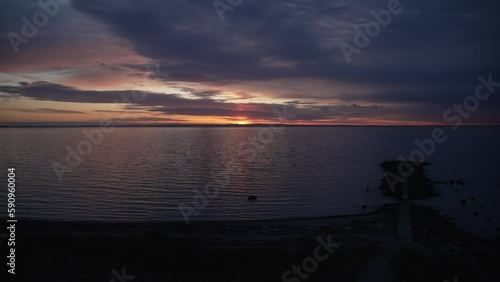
x=55, y=223
x=248, y=231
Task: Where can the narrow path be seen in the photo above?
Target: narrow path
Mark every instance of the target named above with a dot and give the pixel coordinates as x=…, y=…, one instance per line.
x=382, y=267
x=404, y=222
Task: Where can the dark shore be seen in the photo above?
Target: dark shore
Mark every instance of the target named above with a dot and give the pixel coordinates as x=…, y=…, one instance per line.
x=255, y=250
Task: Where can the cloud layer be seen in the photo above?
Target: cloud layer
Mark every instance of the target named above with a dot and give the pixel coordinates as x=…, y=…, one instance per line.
x=263, y=55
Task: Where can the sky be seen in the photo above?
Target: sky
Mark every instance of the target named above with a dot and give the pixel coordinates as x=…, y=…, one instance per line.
x=241, y=61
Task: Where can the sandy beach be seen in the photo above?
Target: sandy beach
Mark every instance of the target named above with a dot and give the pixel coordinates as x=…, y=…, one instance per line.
x=264, y=250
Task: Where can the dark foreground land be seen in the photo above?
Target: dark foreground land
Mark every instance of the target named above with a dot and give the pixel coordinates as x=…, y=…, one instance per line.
x=369, y=250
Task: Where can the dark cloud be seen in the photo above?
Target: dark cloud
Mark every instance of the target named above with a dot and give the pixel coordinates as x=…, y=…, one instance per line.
x=428, y=43
x=145, y=120
x=137, y=100
x=172, y=104
x=48, y=111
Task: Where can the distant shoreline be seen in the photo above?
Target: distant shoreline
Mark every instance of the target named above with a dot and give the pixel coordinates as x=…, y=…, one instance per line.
x=228, y=125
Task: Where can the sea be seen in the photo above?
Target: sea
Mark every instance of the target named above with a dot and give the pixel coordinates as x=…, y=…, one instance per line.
x=208, y=173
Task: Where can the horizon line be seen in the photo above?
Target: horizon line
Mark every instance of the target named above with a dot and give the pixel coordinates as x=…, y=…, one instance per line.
x=245, y=125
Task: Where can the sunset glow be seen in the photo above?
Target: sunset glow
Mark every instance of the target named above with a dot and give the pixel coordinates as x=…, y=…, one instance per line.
x=197, y=69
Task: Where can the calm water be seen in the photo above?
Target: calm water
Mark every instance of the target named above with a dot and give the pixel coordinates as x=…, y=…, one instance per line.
x=145, y=173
